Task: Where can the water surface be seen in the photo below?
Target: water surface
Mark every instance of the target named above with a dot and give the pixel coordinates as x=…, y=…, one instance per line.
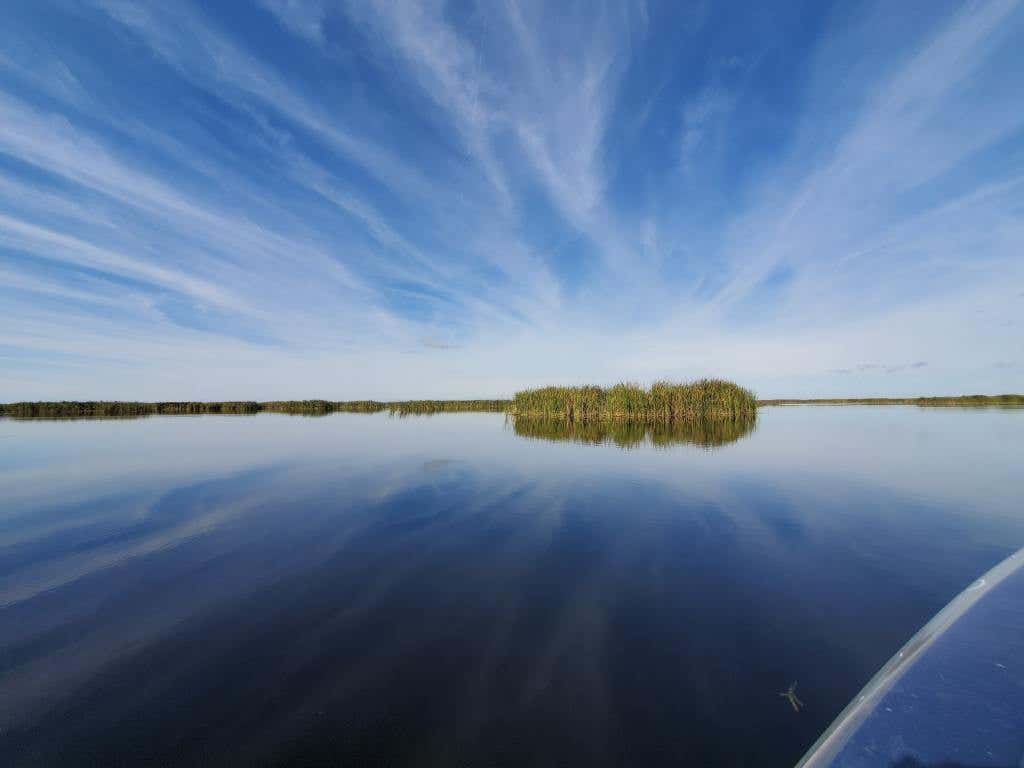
x=452, y=590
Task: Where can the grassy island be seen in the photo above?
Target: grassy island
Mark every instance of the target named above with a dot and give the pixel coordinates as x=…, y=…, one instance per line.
x=707, y=399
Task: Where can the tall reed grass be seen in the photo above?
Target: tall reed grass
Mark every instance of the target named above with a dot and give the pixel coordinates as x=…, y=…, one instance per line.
x=663, y=402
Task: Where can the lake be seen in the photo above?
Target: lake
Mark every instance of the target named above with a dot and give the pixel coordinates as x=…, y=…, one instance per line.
x=453, y=590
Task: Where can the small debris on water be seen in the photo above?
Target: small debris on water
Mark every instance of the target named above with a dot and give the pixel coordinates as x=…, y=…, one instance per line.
x=790, y=696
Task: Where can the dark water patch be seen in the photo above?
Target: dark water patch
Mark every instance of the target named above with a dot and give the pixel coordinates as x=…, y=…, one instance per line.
x=367, y=590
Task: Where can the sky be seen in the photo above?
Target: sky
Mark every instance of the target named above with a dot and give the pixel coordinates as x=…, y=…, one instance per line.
x=346, y=200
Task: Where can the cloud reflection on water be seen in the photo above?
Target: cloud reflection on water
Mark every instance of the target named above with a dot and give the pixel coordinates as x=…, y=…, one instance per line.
x=298, y=579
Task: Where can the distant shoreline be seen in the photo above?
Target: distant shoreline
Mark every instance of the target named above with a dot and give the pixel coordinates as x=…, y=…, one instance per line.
x=123, y=408
x=955, y=400
x=116, y=408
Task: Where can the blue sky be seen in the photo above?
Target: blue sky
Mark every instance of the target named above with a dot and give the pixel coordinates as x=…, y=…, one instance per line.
x=401, y=199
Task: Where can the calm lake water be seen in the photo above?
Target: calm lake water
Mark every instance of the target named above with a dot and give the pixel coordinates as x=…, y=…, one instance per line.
x=362, y=589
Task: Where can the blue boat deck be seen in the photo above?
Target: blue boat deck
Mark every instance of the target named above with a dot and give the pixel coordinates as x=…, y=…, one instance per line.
x=953, y=697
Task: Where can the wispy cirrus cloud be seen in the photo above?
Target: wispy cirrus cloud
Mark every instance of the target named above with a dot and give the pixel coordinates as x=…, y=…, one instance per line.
x=503, y=183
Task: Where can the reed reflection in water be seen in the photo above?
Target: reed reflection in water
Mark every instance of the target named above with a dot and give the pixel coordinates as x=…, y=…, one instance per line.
x=708, y=434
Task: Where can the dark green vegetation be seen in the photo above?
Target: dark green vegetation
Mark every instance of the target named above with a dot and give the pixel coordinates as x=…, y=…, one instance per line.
x=321, y=407
x=707, y=399
x=707, y=433
x=115, y=409
x=960, y=400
